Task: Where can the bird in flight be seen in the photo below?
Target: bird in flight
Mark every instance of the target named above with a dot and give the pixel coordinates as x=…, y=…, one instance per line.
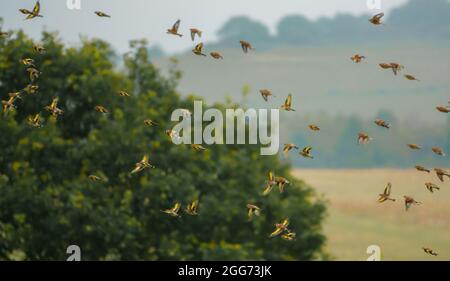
x=174, y=29
x=150, y=122
x=35, y=120
x=429, y=251
x=396, y=67
x=253, y=210
x=216, y=55
x=95, y=178
x=246, y=46
x=101, y=109
x=288, y=104
x=443, y=109
x=8, y=105
x=141, y=165
x=265, y=93
x=197, y=147
x=281, y=182
x=411, y=78
x=376, y=19
x=288, y=147
x=357, y=58
x=27, y=62
x=431, y=186
x=288, y=235
x=195, y=31
x=382, y=123
x=30, y=89
x=34, y=13
x=123, y=94
x=409, y=201
x=39, y=49
x=363, y=138
x=270, y=183
x=385, y=196
x=102, y=14
x=306, y=152
x=314, y=127
x=33, y=73
x=198, y=50
x=422, y=169
x=280, y=228
x=441, y=173
x=414, y=146
x=437, y=150
x=173, y=211
x=53, y=108
x=192, y=208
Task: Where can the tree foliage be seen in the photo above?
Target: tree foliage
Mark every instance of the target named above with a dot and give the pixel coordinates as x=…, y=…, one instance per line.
x=47, y=201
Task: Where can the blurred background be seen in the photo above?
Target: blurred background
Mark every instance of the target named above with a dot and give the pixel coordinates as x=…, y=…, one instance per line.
x=304, y=48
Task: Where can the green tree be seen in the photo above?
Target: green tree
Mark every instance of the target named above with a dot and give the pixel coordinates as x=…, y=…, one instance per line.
x=47, y=201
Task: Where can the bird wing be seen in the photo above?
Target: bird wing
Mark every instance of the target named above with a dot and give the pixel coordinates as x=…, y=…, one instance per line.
x=387, y=190
x=307, y=149
x=37, y=8
x=176, y=25
x=145, y=158
x=192, y=34
x=288, y=101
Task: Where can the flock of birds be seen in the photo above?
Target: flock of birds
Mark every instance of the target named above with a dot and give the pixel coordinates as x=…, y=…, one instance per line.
x=282, y=228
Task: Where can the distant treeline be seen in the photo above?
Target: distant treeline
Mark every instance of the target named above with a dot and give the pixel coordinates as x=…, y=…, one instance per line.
x=416, y=20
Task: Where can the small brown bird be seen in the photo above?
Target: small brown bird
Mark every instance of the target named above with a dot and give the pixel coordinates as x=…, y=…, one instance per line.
x=306, y=152
x=102, y=14
x=288, y=235
x=39, y=49
x=246, y=46
x=281, y=182
x=441, y=173
x=414, y=146
x=33, y=73
x=150, y=123
x=396, y=67
x=195, y=31
x=53, y=108
x=314, y=127
x=192, y=208
x=280, y=228
x=253, y=210
x=265, y=93
x=270, y=183
x=363, y=138
x=101, y=109
x=216, y=55
x=443, y=109
x=34, y=13
x=95, y=178
x=173, y=211
x=3, y=33
x=430, y=186
x=8, y=105
x=409, y=201
x=437, y=150
x=429, y=251
x=357, y=58
x=288, y=147
x=27, y=62
x=123, y=94
x=35, y=120
x=385, y=65
x=382, y=123
x=141, y=165
x=197, y=147
x=385, y=196
x=174, y=29
x=30, y=89
x=411, y=78
x=422, y=169
x=288, y=104
x=376, y=19
x=198, y=50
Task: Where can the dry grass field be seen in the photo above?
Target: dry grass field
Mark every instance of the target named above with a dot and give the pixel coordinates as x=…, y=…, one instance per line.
x=356, y=220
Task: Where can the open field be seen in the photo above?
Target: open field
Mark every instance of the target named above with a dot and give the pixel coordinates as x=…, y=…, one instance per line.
x=356, y=220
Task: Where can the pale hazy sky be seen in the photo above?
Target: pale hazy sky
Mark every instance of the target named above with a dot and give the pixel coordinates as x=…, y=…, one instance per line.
x=134, y=19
